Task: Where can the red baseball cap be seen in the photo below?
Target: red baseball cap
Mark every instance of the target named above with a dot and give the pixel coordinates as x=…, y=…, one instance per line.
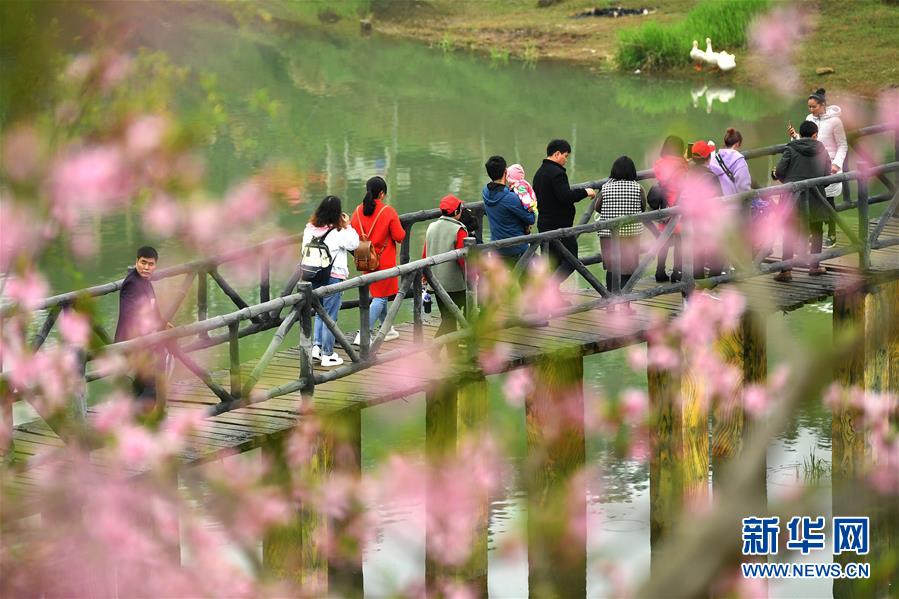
x=450, y=203
x=702, y=149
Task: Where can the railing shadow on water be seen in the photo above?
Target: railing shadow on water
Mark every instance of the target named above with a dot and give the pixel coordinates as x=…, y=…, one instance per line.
x=305, y=303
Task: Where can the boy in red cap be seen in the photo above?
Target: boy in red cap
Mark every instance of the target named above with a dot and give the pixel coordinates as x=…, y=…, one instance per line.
x=444, y=235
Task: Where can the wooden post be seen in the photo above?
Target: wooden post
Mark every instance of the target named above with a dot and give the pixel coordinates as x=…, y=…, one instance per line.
x=265, y=285
x=79, y=407
x=556, y=494
x=306, y=333
x=882, y=338
x=471, y=296
x=848, y=443
x=440, y=442
x=850, y=497
x=202, y=298
x=864, y=250
x=881, y=376
x=202, y=294
x=364, y=321
x=341, y=454
x=746, y=348
x=417, y=304
x=405, y=246
x=290, y=552
x=234, y=359
x=472, y=408
x=678, y=469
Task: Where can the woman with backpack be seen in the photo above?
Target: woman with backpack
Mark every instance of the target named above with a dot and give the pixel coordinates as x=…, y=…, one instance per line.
x=379, y=231
x=326, y=240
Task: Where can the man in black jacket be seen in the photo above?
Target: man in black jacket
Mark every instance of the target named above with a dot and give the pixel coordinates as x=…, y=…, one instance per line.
x=556, y=200
x=805, y=158
x=139, y=315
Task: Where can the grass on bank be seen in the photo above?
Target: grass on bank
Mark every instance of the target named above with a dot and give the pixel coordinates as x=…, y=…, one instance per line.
x=656, y=46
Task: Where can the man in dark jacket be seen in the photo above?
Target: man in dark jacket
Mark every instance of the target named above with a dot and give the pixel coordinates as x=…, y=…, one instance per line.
x=139, y=315
x=506, y=214
x=805, y=158
x=556, y=200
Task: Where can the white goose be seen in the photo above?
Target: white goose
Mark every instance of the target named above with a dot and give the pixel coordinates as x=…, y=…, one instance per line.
x=726, y=61
x=697, y=55
x=710, y=56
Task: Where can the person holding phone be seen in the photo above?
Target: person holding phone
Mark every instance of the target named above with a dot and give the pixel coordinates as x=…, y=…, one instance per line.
x=832, y=134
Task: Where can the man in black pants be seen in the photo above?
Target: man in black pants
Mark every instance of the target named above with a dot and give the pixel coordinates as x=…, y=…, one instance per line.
x=556, y=200
x=139, y=315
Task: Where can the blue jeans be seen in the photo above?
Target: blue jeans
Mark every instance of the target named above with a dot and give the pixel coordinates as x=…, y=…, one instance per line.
x=377, y=310
x=323, y=337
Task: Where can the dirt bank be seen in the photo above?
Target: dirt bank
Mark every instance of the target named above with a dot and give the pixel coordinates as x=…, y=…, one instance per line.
x=856, y=39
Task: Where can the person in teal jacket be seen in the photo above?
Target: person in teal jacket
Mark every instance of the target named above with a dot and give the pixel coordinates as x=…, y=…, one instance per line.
x=505, y=212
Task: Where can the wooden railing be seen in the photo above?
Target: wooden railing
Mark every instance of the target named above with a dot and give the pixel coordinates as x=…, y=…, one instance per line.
x=304, y=304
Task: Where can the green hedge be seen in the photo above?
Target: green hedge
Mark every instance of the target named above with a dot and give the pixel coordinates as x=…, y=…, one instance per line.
x=653, y=46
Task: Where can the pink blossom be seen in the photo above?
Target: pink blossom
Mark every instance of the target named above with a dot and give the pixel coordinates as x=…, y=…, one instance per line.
x=28, y=291
x=775, y=38
x=108, y=365
x=113, y=413
x=637, y=358
x=247, y=204
x=519, y=383
x=888, y=108
x=662, y=356
x=493, y=359
x=707, y=218
x=179, y=424
x=91, y=180
x=494, y=280
x=22, y=149
x=145, y=135
x=80, y=67
x=161, y=216
x=302, y=442
x=634, y=405
x=75, y=328
x=756, y=400
x=84, y=241
x=262, y=509
x=540, y=296
x=137, y=448
x=22, y=234
x=116, y=68
x=205, y=224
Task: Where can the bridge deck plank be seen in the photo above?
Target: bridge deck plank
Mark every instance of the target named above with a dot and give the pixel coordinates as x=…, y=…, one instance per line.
x=592, y=331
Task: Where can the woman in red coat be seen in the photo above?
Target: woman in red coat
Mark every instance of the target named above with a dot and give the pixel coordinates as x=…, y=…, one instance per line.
x=381, y=223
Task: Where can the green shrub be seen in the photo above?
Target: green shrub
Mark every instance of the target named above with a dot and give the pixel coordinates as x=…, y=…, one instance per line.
x=655, y=46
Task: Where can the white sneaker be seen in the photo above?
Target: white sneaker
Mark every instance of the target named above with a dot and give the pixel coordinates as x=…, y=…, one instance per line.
x=391, y=335
x=357, y=340
x=316, y=353
x=332, y=360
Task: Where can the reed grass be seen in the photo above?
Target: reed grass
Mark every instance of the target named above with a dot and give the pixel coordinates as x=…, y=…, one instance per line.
x=656, y=47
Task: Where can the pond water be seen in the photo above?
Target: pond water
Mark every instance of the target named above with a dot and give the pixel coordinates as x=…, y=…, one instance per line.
x=340, y=109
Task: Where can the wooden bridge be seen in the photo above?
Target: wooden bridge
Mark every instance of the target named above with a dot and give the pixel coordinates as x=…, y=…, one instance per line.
x=257, y=400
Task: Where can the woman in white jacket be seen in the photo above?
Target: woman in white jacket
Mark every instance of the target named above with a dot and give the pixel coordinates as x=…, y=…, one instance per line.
x=333, y=225
x=832, y=134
